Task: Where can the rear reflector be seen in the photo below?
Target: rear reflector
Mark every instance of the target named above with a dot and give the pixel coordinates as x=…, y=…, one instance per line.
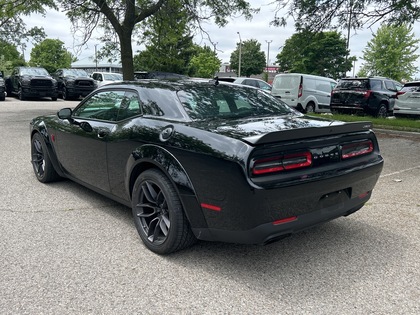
x=354, y=149
x=286, y=220
x=211, y=207
x=281, y=163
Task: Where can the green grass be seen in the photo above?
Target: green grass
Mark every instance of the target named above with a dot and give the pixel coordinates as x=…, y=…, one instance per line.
x=402, y=124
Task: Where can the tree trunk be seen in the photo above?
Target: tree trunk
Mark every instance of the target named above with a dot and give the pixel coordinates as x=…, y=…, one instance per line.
x=127, y=54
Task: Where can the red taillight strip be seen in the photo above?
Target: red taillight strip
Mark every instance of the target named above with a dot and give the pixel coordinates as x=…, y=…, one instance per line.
x=211, y=207
x=286, y=220
x=356, y=149
x=282, y=163
x=298, y=160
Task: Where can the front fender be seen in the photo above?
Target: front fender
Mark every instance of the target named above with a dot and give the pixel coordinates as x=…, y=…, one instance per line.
x=38, y=126
x=153, y=156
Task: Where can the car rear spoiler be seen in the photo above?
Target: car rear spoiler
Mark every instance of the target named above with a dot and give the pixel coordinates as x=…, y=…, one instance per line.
x=311, y=132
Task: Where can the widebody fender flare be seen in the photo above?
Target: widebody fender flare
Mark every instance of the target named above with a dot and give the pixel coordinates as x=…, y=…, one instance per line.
x=154, y=156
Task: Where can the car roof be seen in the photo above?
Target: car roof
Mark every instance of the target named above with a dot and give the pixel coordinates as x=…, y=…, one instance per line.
x=175, y=84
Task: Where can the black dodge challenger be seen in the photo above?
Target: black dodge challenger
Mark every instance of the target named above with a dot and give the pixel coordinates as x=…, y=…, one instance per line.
x=208, y=160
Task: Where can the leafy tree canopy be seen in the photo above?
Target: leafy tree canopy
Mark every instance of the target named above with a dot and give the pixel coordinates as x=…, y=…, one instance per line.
x=168, y=41
x=253, y=60
x=204, y=63
x=51, y=55
x=9, y=57
x=118, y=18
x=391, y=53
x=12, y=27
x=316, y=15
x=323, y=53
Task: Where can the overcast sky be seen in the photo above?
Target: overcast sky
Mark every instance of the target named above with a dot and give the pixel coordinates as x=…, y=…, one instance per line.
x=57, y=26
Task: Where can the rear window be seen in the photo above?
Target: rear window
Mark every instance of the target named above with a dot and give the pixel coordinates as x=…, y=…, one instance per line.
x=411, y=87
x=355, y=84
x=286, y=82
x=225, y=101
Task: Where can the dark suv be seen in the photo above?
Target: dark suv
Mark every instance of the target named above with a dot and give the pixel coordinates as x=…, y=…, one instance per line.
x=2, y=87
x=31, y=82
x=73, y=83
x=374, y=96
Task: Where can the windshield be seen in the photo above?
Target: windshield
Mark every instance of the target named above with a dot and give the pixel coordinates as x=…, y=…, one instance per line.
x=75, y=73
x=112, y=77
x=34, y=71
x=225, y=101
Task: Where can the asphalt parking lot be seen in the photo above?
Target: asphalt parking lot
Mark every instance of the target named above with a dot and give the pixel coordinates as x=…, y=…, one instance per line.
x=67, y=250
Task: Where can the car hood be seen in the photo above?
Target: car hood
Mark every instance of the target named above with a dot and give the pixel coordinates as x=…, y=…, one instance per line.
x=271, y=129
x=28, y=76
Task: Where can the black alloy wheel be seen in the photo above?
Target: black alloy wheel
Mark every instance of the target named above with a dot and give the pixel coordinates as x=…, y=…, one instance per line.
x=382, y=111
x=20, y=94
x=65, y=94
x=43, y=168
x=158, y=214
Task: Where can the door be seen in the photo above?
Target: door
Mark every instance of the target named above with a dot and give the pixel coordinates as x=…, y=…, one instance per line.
x=81, y=144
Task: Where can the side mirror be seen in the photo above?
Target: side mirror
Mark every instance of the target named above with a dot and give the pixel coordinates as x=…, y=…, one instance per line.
x=64, y=113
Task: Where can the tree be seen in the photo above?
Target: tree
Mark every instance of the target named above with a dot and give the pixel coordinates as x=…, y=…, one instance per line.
x=253, y=60
x=9, y=57
x=391, y=53
x=12, y=27
x=119, y=18
x=168, y=41
x=327, y=14
x=205, y=63
x=323, y=53
x=51, y=55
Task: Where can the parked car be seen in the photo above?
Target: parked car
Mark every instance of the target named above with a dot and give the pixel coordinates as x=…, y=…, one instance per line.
x=140, y=75
x=73, y=83
x=2, y=87
x=103, y=78
x=372, y=95
x=208, y=160
x=307, y=93
x=407, y=101
x=258, y=83
x=31, y=82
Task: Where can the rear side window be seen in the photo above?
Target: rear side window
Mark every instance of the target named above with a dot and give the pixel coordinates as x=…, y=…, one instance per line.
x=375, y=85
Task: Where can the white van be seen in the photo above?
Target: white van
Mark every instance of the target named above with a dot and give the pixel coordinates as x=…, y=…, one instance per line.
x=305, y=92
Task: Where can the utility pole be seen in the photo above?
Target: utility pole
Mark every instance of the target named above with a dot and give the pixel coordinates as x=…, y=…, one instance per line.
x=96, y=58
x=240, y=54
x=268, y=55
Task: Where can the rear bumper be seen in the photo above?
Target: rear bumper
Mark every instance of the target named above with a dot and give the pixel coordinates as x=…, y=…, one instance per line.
x=262, y=216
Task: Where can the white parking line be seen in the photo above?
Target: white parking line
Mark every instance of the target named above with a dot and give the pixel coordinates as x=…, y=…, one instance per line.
x=399, y=172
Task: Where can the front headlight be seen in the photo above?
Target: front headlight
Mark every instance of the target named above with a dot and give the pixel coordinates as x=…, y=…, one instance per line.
x=26, y=81
x=70, y=82
x=54, y=81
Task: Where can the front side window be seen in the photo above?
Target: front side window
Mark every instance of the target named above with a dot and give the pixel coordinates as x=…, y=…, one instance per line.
x=110, y=106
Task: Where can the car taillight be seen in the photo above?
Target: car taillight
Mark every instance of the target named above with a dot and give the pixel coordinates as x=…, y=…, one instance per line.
x=367, y=94
x=300, y=91
x=354, y=149
x=281, y=163
x=399, y=93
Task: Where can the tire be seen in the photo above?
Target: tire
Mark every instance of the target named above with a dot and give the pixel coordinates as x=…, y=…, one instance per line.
x=382, y=111
x=43, y=168
x=65, y=94
x=158, y=214
x=20, y=94
x=2, y=96
x=310, y=108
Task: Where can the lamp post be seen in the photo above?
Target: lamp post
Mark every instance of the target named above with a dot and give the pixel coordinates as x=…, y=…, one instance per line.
x=268, y=55
x=240, y=54
x=96, y=58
